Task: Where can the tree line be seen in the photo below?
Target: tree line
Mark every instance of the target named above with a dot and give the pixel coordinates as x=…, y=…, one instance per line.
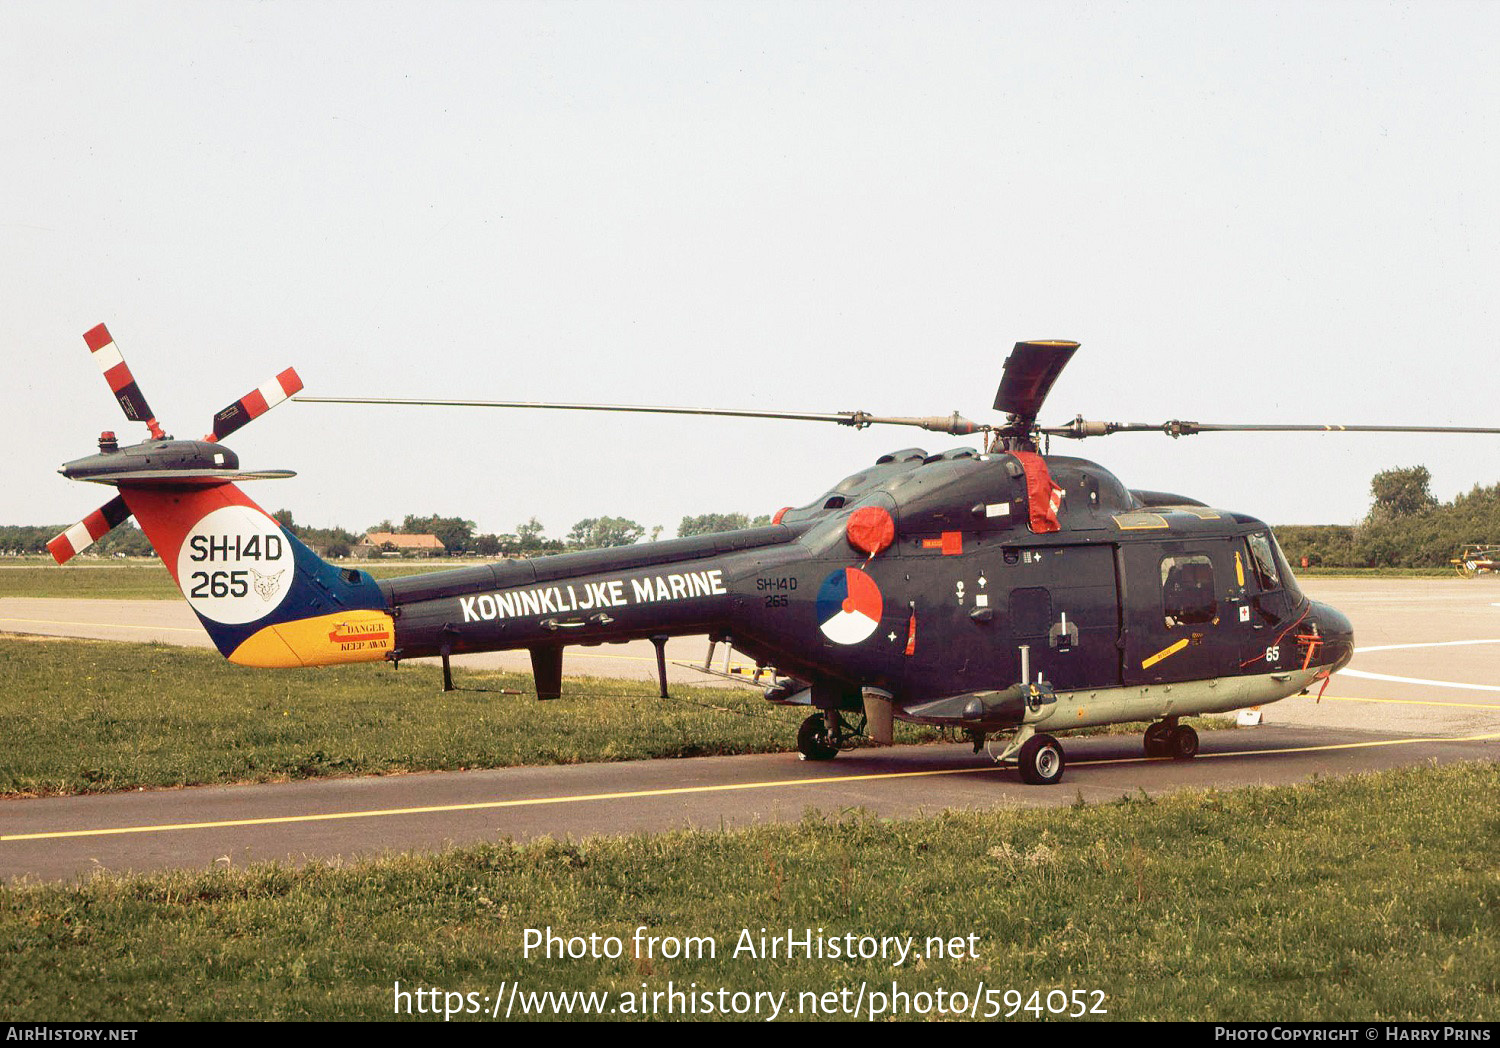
x=1406, y=527
x=459, y=537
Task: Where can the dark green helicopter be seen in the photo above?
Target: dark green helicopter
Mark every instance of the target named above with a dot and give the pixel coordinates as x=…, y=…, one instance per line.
x=1003, y=592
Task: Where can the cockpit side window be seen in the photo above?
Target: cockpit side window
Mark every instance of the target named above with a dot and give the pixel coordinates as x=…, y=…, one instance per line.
x=1288, y=580
x=1264, y=562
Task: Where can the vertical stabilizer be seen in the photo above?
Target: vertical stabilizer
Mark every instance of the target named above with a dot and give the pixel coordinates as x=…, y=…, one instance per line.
x=264, y=597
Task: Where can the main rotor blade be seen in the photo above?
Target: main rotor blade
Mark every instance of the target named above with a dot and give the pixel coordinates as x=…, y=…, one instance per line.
x=255, y=404
x=121, y=382
x=1030, y=370
x=1081, y=427
x=954, y=424
x=89, y=530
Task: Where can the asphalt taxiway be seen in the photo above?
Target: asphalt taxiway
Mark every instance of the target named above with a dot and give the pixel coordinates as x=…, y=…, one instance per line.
x=65, y=837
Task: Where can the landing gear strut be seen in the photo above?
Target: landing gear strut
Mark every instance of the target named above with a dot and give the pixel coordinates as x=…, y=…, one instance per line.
x=1169, y=739
x=1039, y=757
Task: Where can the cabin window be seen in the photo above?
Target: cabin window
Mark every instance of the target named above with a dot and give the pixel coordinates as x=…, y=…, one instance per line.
x=1264, y=562
x=1187, y=590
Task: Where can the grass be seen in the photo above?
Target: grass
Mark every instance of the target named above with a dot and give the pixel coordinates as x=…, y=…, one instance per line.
x=1368, y=898
x=81, y=716
x=94, y=716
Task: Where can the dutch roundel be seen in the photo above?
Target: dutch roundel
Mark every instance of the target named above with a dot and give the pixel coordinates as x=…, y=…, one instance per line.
x=848, y=606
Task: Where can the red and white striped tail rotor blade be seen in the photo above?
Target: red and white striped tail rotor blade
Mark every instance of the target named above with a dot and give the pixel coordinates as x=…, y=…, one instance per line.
x=89, y=530
x=121, y=382
x=255, y=404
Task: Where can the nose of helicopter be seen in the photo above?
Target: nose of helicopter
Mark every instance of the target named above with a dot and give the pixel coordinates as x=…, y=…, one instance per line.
x=1337, y=633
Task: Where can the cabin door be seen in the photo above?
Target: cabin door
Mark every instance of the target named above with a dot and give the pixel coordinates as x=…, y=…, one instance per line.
x=1186, y=609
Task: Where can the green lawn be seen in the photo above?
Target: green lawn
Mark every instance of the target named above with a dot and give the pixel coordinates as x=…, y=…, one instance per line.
x=87, y=716
x=1363, y=899
x=84, y=716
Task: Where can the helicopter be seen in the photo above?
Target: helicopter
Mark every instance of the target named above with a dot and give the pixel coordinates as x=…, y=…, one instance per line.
x=1476, y=558
x=1000, y=591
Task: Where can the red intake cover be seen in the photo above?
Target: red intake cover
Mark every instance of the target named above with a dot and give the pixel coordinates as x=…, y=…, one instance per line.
x=871, y=530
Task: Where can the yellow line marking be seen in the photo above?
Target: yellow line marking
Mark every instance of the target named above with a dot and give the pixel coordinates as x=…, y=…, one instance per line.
x=1494, y=706
x=185, y=629
x=1165, y=653
x=104, y=625
x=677, y=791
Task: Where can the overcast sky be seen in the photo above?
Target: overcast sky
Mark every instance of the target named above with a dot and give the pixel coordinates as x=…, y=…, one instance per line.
x=1250, y=212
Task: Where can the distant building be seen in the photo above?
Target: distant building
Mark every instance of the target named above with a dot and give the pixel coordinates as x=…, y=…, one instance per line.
x=388, y=543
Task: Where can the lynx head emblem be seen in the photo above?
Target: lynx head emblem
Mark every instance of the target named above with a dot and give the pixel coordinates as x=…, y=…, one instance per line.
x=267, y=585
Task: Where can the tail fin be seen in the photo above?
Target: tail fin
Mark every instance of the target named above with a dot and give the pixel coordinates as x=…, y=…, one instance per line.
x=264, y=597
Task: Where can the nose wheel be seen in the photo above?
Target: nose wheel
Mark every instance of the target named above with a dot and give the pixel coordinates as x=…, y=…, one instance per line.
x=1040, y=761
x=1039, y=758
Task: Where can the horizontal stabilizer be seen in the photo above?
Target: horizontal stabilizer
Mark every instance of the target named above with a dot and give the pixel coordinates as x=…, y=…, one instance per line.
x=177, y=478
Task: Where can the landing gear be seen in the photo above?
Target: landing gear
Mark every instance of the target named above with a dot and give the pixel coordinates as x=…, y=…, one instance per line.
x=814, y=741
x=1183, y=743
x=1156, y=739
x=1041, y=761
x=1166, y=739
x=1039, y=758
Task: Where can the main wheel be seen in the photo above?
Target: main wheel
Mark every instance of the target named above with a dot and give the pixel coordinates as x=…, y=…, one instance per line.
x=813, y=740
x=1041, y=761
x=1158, y=738
x=1183, y=743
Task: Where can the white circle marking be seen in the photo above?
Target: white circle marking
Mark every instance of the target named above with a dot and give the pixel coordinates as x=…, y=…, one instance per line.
x=235, y=565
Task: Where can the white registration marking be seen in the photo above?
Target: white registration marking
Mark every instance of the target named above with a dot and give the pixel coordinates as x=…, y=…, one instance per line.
x=235, y=566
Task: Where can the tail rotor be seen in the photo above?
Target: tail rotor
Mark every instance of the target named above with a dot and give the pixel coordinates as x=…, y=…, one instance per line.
x=160, y=461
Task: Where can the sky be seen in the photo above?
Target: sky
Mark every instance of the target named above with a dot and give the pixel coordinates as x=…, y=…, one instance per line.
x=1245, y=212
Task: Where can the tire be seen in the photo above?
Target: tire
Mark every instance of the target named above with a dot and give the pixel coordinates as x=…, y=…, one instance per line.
x=1158, y=740
x=813, y=741
x=1041, y=761
x=1182, y=743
